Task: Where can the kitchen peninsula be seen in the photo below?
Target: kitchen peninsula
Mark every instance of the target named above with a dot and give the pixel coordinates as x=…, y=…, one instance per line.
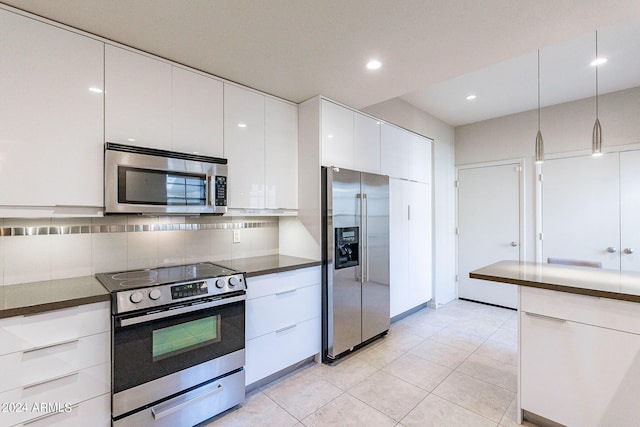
x=578, y=342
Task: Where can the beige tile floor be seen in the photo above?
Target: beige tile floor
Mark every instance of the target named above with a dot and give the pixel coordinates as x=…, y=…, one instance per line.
x=454, y=366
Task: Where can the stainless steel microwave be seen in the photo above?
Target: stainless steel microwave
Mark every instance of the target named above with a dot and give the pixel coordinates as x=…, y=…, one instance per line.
x=160, y=182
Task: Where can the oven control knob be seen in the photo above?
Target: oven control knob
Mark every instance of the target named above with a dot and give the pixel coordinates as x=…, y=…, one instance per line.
x=136, y=297
x=220, y=283
x=155, y=294
x=233, y=282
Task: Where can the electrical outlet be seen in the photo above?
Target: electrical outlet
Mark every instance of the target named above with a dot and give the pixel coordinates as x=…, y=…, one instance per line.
x=236, y=236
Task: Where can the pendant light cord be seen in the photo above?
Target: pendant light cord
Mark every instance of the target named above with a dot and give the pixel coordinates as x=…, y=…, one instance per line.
x=539, y=89
x=597, y=66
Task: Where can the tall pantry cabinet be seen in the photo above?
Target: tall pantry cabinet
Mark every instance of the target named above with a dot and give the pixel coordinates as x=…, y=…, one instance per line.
x=334, y=135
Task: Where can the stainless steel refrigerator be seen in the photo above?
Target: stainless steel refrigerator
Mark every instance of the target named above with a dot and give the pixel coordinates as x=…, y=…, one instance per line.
x=355, y=248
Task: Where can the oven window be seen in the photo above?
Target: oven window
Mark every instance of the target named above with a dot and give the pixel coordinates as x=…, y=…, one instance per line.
x=185, y=337
x=154, y=187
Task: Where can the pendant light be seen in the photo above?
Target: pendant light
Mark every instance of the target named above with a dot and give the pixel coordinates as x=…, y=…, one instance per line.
x=596, y=143
x=539, y=144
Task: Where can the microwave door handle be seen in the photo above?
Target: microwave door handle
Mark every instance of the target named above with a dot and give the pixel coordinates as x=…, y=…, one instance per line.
x=208, y=190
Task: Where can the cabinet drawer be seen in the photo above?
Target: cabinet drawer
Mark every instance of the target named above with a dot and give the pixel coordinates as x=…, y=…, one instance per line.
x=274, y=312
x=577, y=374
x=26, y=332
x=93, y=412
x=69, y=389
x=260, y=286
x=604, y=312
x=35, y=366
x=273, y=352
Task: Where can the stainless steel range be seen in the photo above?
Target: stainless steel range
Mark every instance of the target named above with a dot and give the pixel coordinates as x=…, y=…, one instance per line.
x=177, y=343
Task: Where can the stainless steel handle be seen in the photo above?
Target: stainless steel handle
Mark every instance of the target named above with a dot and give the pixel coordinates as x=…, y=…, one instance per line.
x=612, y=249
x=409, y=212
x=542, y=316
x=44, y=347
x=48, y=380
x=208, y=190
x=177, y=311
x=514, y=244
x=286, y=292
x=628, y=251
x=159, y=412
x=286, y=328
x=366, y=240
x=49, y=414
x=361, y=247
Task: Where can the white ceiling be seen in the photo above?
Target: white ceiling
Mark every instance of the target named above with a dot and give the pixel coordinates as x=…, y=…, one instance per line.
x=296, y=49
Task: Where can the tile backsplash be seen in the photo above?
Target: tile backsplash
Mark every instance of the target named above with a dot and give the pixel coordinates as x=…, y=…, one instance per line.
x=42, y=249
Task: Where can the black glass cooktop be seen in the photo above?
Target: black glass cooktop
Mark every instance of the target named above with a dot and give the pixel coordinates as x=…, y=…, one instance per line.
x=122, y=280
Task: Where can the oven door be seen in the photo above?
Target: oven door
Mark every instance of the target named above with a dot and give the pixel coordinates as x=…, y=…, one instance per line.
x=159, y=353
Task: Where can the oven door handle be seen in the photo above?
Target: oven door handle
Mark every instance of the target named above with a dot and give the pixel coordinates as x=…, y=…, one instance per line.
x=159, y=411
x=175, y=312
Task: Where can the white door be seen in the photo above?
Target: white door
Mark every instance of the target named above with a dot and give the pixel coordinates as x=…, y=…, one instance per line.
x=581, y=209
x=630, y=211
x=489, y=229
x=420, y=242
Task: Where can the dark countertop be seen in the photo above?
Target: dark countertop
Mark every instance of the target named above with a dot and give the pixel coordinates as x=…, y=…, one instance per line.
x=39, y=297
x=261, y=265
x=591, y=281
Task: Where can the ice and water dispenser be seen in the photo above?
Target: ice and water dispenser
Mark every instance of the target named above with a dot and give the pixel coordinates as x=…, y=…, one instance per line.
x=347, y=247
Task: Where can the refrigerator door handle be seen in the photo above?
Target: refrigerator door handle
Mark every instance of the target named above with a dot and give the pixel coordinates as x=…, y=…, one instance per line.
x=366, y=238
x=361, y=248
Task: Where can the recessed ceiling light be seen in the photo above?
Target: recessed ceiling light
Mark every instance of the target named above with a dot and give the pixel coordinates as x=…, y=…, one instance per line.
x=131, y=139
x=374, y=64
x=95, y=89
x=470, y=97
x=330, y=136
x=242, y=125
x=598, y=61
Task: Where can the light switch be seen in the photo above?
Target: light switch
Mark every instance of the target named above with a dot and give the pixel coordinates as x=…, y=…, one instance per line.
x=236, y=236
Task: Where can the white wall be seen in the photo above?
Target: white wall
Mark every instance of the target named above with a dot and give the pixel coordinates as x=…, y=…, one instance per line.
x=404, y=114
x=566, y=128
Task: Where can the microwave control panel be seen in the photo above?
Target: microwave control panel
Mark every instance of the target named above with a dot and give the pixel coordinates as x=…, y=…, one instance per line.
x=220, y=194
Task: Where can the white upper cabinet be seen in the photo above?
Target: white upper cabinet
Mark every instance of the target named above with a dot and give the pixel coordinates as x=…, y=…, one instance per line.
x=337, y=135
x=404, y=154
x=281, y=154
x=366, y=143
x=394, y=151
x=197, y=113
x=244, y=115
x=349, y=139
x=137, y=99
x=51, y=115
x=420, y=158
x=151, y=103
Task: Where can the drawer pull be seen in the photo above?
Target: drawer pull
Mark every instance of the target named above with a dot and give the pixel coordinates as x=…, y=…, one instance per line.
x=286, y=328
x=286, y=292
x=168, y=408
x=50, y=380
x=44, y=347
x=42, y=417
x=542, y=316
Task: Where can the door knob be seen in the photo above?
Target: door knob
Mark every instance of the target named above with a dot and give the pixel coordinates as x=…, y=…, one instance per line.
x=514, y=244
x=628, y=251
x=611, y=250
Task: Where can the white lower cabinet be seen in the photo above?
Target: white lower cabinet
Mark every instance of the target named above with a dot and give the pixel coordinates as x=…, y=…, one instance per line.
x=574, y=373
x=56, y=367
x=282, y=321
